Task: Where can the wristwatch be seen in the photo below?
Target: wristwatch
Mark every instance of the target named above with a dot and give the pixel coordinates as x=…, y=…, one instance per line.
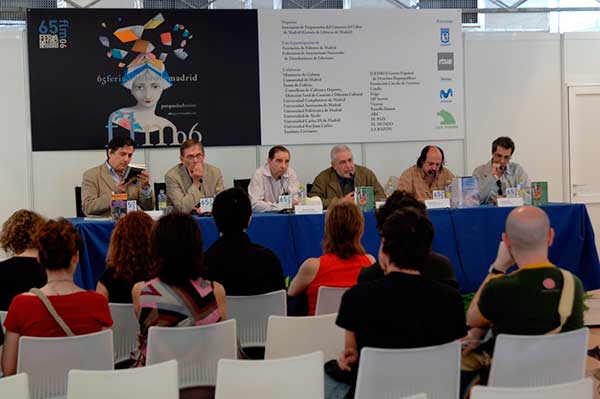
x=494, y=271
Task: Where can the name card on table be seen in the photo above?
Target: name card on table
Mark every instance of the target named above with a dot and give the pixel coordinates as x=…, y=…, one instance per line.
x=285, y=201
x=206, y=204
x=509, y=202
x=437, y=203
x=132, y=206
x=311, y=209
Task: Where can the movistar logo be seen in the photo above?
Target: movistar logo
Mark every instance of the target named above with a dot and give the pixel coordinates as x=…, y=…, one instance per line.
x=446, y=93
x=447, y=118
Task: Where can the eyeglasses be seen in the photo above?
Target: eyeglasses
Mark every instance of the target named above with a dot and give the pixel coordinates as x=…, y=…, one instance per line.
x=499, y=184
x=193, y=157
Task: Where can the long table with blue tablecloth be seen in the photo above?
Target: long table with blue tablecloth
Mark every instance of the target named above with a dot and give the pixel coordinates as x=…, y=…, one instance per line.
x=469, y=237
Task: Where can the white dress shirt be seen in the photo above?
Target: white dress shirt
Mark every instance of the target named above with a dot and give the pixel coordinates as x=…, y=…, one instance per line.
x=264, y=189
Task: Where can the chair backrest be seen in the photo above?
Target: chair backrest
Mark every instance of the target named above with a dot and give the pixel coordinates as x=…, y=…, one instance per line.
x=329, y=299
x=78, y=203
x=152, y=382
x=417, y=396
x=581, y=389
x=47, y=361
x=196, y=349
x=157, y=187
x=252, y=314
x=537, y=360
x=3, y=314
x=393, y=373
x=241, y=183
x=125, y=330
x=298, y=377
x=293, y=336
x=15, y=387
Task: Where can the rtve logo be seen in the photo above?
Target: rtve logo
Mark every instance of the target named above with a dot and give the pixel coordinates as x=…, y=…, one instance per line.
x=445, y=61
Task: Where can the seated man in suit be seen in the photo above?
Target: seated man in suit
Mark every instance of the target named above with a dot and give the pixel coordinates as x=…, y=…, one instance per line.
x=192, y=179
x=339, y=180
x=101, y=181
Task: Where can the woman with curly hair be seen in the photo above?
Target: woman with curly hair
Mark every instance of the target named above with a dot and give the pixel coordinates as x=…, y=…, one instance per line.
x=128, y=260
x=21, y=272
x=77, y=311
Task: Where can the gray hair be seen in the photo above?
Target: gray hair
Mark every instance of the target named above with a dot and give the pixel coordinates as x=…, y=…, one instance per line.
x=338, y=148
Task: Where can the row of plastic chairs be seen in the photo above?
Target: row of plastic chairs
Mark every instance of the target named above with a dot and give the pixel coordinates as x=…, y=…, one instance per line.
x=382, y=374
x=520, y=361
x=251, y=312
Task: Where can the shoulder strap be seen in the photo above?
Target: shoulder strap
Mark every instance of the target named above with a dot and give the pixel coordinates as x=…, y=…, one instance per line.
x=567, y=297
x=52, y=311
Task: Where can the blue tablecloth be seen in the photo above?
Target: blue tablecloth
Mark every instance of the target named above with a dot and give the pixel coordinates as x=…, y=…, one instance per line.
x=469, y=237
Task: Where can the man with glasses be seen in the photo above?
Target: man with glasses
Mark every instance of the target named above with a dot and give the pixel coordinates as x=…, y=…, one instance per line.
x=500, y=173
x=192, y=179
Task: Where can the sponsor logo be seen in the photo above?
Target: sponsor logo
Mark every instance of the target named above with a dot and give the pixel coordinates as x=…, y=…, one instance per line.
x=445, y=94
x=445, y=36
x=445, y=61
x=448, y=121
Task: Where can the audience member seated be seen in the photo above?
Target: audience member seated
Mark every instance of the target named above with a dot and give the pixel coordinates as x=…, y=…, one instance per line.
x=241, y=266
x=343, y=254
x=404, y=309
x=128, y=260
x=524, y=302
x=83, y=312
x=436, y=267
x=21, y=272
x=178, y=296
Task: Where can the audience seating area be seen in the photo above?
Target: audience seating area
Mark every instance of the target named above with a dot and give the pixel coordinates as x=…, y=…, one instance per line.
x=296, y=349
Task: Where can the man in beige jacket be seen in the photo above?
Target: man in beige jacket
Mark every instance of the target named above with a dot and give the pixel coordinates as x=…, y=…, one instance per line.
x=101, y=181
x=192, y=179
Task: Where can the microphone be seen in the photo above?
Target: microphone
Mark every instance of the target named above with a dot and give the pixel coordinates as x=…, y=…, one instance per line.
x=351, y=174
x=502, y=167
x=432, y=173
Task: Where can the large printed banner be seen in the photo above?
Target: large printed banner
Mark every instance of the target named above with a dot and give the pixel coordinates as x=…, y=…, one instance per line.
x=242, y=77
x=158, y=76
x=360, y=76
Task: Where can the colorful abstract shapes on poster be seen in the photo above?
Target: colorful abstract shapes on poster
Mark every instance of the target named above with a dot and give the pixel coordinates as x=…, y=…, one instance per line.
x=104, y=41
x=154, y=22
x=180, y=53
x=142, y=46
x=166, y=39
x=129, y=33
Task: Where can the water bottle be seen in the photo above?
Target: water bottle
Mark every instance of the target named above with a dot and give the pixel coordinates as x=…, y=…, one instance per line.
x=162, y=200
x=389, y=188
x=301, y=195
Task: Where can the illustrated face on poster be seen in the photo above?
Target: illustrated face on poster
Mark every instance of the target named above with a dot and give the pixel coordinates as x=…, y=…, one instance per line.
x=160, y=77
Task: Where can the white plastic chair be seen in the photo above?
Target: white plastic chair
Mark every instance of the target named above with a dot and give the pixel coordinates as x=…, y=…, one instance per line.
x=3, y=314
x=196, y=349
x=392, y=373
x=293, y=336
x=298, y=377
x=329, y=299
x=47, y=361
x=125, y=330
x=417, y=396
x=152, y=382
x=252, y=314
x=581, y=389
x=538, y=360
x=15, y=387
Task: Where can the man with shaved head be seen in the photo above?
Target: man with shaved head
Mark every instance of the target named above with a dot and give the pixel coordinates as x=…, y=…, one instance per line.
x=526, y=301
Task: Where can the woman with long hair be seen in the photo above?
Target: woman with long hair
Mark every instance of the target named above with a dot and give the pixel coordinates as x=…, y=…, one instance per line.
x=178, y=296
x=343, y=254
x=128, y=260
